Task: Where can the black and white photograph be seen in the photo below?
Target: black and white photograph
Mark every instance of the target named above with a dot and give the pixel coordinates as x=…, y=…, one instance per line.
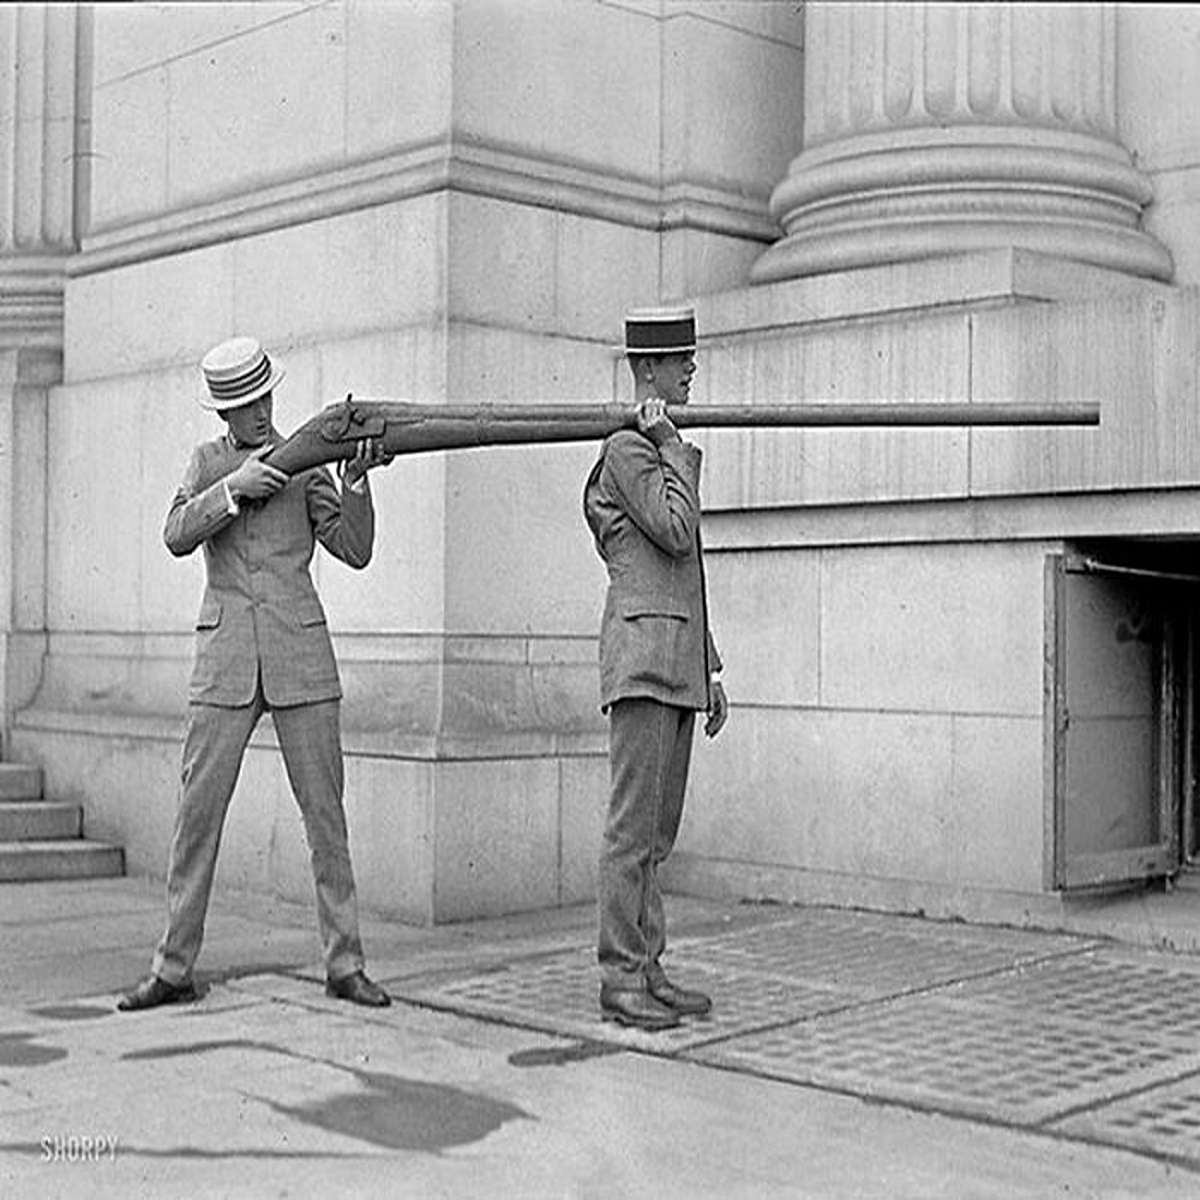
x=599, y=600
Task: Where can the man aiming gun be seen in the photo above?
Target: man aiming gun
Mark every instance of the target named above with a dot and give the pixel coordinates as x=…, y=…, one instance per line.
x=261, y=645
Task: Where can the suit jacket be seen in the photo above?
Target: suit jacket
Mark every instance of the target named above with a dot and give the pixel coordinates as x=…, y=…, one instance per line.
x=260, y=612
x=642, y=504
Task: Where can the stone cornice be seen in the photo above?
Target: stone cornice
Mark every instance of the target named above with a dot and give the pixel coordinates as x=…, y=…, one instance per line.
x=1164, y=512
x=469, y=168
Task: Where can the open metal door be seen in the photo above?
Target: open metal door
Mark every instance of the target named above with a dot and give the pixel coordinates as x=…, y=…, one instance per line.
x=1113, y=721
x=1189, y=827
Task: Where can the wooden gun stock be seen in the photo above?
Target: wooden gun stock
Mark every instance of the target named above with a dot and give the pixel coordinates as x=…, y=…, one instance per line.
x=407, y=428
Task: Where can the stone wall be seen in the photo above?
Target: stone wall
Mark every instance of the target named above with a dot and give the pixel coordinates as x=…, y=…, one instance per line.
x=457, y=199
x=879, y=597
x=427, y=200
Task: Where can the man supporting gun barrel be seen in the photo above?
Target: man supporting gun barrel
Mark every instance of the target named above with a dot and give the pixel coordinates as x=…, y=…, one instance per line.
x=658, y=664
x=261, y=645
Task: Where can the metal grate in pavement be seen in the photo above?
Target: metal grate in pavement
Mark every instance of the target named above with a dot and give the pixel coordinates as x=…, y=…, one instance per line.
x=821, y=961
x=1151, y=997
x=1164, y=1120
x=1042, y=1030
x=560, y=994
x=954, y=1057
x=868, y=954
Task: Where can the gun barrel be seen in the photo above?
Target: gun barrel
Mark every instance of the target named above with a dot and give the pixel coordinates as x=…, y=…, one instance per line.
x=407, y=428
x=887, y=414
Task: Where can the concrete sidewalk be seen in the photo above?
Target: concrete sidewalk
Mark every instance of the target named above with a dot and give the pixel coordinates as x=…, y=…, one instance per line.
x=849, y=1055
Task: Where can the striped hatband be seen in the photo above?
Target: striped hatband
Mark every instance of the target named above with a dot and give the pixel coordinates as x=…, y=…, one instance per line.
x=237, y=372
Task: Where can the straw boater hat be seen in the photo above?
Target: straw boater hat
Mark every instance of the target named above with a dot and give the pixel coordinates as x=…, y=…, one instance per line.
x=661, y=330
x=237, y=371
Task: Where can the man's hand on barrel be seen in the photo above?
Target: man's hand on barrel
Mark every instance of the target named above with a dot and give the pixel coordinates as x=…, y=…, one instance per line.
x=652, y=420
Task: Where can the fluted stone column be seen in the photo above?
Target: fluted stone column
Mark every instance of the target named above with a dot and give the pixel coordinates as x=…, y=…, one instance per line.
x=39, y=144
x=933, y=129
x=38, y=158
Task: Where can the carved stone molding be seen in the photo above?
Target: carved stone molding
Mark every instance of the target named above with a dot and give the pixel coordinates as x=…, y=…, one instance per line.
x=31, y=301
x=942, y=129
x=467, y=167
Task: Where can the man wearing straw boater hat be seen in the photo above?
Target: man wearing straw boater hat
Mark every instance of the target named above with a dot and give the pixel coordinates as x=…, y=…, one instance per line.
x=658, y=664
x=261, y=645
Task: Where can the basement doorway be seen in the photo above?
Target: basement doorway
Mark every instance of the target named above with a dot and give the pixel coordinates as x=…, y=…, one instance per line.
x=1121, y=713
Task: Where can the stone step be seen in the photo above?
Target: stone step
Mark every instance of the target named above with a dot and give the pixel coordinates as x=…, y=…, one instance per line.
x=38, y=821
x=19, y=781
x=59, y=858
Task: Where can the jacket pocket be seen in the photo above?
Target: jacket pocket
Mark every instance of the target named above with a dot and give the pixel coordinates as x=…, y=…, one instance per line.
x=210, y=615
x=310, y=615
x=651, y=647
x=632, y=607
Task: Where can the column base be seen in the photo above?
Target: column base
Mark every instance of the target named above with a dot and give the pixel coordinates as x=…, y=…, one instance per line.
x=918, y=194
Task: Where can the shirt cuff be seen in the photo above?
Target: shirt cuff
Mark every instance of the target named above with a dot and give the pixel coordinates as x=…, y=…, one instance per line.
x=231, y=504
x=358, y=487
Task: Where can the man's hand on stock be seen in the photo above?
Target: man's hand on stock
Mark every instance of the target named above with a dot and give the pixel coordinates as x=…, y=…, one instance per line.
x=255, y=480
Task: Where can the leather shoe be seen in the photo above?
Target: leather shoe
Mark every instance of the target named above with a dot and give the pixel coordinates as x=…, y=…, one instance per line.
x=153, y=991
x=358, y=989
x=681, y=1000
x=636, y=1008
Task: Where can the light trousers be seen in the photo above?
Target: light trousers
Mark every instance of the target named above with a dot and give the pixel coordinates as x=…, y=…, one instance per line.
x=650, y=748
x=213, y=748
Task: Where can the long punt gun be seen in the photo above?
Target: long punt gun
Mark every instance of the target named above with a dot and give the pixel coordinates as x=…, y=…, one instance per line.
x=408, y=428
